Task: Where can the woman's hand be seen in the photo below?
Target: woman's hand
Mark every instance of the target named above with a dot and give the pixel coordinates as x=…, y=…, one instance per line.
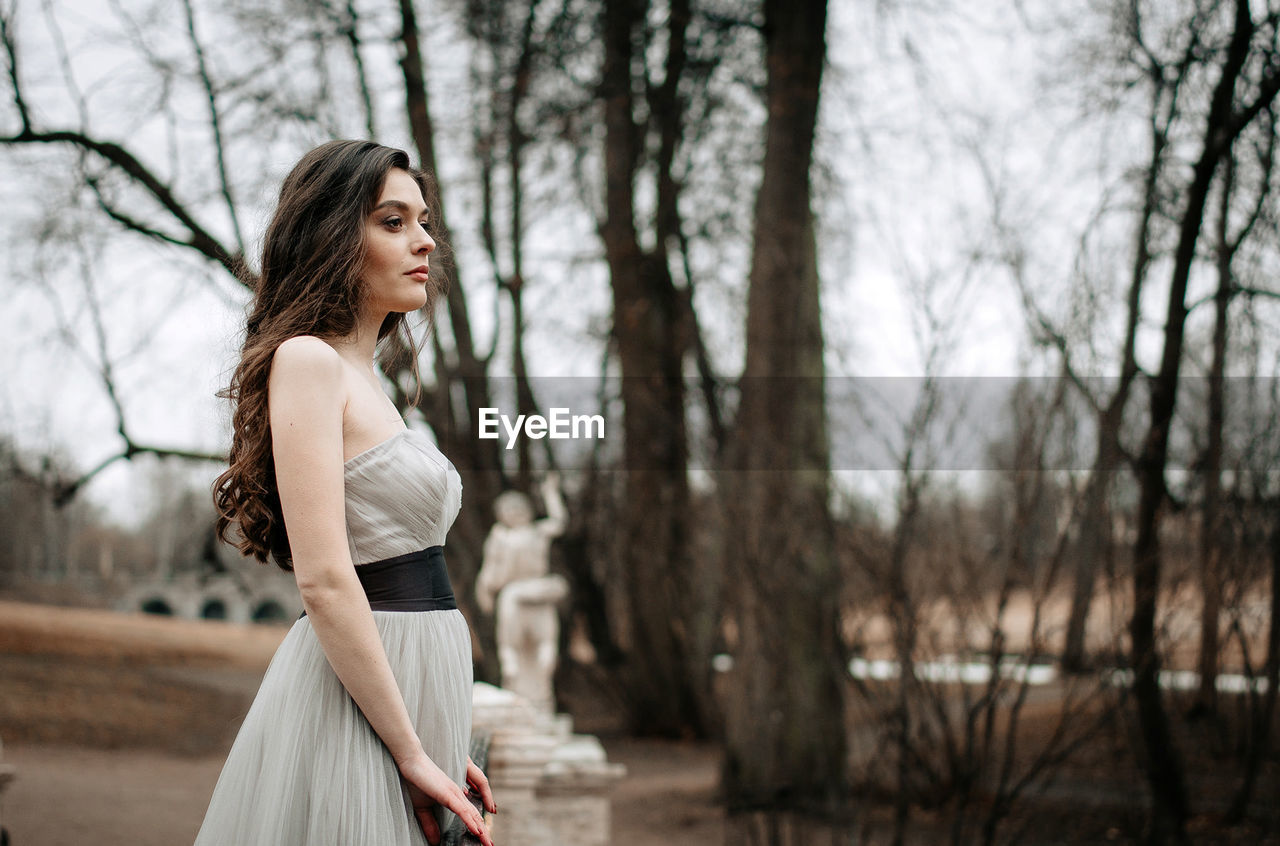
x=479, y=785
x=422, y=805
x=428, y=786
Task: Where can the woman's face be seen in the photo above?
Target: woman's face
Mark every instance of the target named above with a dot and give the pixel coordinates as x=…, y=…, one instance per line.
x=395, y=268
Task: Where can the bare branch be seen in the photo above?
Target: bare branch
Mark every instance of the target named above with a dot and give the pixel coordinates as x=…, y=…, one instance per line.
x=710, y=383
x=127, y=221
x=348, y=23
x=1267, y=91
x=64, y=61
x=65, y=491
x=10, y=40
x=1267, y=156
x=201, y=240
x=1251, y=292
x=219, y=145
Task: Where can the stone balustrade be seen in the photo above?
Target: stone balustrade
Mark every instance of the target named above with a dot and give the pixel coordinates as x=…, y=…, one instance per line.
x=551, y=785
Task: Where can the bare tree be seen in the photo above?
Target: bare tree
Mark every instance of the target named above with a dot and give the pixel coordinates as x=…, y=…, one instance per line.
x=1227, y=243
x=1259, y=727
x=1165, y=80
x=669, y=672
x=785, y=772
x=252, y=102
x=1228, y=115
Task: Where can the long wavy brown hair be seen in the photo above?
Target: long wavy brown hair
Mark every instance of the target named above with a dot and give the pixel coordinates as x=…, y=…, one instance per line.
x=312, y=257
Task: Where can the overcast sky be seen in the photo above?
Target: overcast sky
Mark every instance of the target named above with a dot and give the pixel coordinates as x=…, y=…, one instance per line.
x=912, y=103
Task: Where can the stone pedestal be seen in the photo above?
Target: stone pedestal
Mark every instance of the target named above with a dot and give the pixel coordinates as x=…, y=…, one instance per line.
x=551, y=785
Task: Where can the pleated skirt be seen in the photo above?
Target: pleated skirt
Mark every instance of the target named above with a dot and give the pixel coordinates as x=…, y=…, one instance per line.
x=307, y=769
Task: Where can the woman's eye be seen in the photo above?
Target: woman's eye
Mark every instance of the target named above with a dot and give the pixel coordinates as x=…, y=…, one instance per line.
x=393, y=223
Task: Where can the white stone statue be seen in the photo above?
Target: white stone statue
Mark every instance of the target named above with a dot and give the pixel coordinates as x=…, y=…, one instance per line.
x=514, y=570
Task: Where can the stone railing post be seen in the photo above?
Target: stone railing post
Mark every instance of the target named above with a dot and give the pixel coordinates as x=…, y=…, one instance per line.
x=551, y=785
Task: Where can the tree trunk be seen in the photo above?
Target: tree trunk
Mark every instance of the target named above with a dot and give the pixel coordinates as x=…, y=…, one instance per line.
x=1210, y=522
x=785, y=770
x=457, y=436
x=525, y=402
x=669, y=692
x=1094, y=544
x=1161, y=757
x=1264, y=711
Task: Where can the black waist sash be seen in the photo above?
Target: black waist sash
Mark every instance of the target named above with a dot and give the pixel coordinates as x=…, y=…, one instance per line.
x=415, y=581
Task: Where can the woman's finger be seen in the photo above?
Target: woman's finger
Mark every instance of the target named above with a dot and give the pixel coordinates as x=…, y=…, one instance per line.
x=423, y=806
x=430, y=828
x=480, y=783
x=430, y=782
x=485, y=792
x=471, y=817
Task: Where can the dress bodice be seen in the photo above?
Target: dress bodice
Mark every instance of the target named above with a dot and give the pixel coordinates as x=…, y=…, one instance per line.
x=401, y=496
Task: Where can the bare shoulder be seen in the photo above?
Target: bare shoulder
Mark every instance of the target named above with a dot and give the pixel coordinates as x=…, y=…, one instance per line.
x=305, y=354
x=306, y=371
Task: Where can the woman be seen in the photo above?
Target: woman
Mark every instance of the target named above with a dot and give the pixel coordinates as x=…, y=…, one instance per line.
x=362, y=723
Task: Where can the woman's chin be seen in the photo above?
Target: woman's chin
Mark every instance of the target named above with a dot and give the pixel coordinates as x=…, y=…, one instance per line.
x=412, y=303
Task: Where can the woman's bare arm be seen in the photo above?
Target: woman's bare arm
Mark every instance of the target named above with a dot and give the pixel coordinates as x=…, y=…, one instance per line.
x=306, y=404
x=306, y=401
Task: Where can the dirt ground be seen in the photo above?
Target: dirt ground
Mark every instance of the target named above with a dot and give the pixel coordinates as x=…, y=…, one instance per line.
x=118, y=726
x=74, y=795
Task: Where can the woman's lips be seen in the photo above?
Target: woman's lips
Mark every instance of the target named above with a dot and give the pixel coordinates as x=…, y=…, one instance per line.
x=419, y=273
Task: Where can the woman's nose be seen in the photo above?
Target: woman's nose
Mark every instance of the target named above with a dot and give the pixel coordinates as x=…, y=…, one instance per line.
x=424, y=243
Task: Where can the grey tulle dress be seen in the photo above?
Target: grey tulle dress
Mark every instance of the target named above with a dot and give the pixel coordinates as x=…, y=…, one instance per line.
x=306, y=767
